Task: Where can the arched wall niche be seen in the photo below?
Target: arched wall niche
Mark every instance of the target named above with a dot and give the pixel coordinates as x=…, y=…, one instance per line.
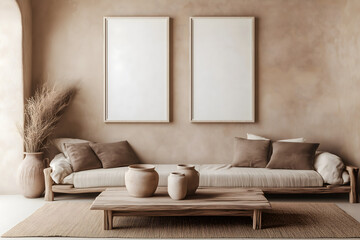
x=15, y=84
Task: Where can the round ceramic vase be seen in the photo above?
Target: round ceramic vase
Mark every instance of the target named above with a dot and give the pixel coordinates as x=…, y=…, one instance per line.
x=192, y=177
x=177, y=185
x=141, y=180
x=31, y=175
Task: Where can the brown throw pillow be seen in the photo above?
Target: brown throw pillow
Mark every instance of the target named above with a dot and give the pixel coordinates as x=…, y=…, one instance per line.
x=82, y=156
x=291, y=155
x=250, y=153
x=114, y=155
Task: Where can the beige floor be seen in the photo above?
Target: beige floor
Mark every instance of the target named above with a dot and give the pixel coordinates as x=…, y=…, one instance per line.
x=15, y=208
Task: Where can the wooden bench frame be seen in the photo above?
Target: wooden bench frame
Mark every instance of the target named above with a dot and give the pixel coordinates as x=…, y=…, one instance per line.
x=352, y=188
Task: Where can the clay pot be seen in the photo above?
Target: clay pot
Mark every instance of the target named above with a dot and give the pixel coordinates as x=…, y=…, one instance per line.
x=31, y=175
x=192, y=177
x=177, y=185
x=141, y=180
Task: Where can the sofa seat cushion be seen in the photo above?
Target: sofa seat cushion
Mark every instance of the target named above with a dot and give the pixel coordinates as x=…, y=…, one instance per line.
x=211, y=175
x=215, y=175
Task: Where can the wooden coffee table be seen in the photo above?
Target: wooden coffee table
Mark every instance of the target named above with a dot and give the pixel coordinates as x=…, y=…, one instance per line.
x=206, y=202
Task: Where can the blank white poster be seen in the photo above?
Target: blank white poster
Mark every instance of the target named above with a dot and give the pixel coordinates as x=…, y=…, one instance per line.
x=136, y=69
x=222, y=69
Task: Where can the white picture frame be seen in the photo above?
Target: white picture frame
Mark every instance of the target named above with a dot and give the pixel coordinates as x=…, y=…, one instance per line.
x=136, y=57
x=222, y=57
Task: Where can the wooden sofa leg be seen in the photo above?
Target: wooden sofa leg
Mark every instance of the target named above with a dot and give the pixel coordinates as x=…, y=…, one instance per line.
x=353, y=195
x=49, y=194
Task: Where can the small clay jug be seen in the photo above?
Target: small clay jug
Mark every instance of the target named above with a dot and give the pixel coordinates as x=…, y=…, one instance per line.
x=192, y=177
x=177, y=185
x=31, y=175
x=141, y=180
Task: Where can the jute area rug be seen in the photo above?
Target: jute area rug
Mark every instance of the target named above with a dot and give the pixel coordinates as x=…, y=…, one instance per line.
x=285, y=220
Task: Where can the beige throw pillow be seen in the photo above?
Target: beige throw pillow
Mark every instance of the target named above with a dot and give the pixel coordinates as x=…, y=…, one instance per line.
x=293, y=155
x=59, y=143
x=61, y=167
x=331, y=168
x=114, y=155
x=82, y=157
x=256, y=137
x=250, y=153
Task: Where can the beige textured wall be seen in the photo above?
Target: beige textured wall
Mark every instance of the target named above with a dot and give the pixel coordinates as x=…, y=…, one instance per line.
x=307, y=63
x=11, y=95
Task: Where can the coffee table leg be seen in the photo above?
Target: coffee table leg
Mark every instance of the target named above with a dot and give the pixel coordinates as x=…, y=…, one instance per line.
x=108, y=220
x=257, y=219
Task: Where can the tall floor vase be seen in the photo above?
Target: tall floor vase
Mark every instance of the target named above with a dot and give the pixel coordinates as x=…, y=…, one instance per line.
x=31, y=175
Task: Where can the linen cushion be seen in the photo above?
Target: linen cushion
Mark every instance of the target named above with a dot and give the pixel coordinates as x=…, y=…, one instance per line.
x=345, y=177
x=250, y=136
x=82, y=156
x=211, y=175
x=331, y=168
x=290, y=155
x=61, y=167
x=300, y=140
x=69, y=178
x=250, y=153
x=59, y=143
x=114, y=155
x=256, y=137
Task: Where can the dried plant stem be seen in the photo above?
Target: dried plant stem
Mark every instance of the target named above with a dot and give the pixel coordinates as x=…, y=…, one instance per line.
x=41, y=115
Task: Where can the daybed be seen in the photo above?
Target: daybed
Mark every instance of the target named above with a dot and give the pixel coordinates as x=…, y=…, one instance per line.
x=295, y=167
x=271, y=181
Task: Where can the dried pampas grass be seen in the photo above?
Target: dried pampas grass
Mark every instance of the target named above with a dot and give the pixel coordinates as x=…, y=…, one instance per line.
x=41, y=115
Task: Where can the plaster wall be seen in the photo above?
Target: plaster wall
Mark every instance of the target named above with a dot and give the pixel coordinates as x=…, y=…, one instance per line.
x=307, y=74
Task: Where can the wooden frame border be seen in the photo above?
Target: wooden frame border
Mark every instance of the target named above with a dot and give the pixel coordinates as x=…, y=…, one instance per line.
x=105, y=70
x=191, y=72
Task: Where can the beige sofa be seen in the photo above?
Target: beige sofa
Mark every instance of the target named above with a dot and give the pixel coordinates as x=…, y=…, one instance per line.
x=277, y=181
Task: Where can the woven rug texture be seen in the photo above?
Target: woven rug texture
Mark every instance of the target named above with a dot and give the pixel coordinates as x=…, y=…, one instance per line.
x=285, y=220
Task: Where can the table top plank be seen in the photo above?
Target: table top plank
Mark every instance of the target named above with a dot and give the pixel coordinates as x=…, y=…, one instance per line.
x=204, y=199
